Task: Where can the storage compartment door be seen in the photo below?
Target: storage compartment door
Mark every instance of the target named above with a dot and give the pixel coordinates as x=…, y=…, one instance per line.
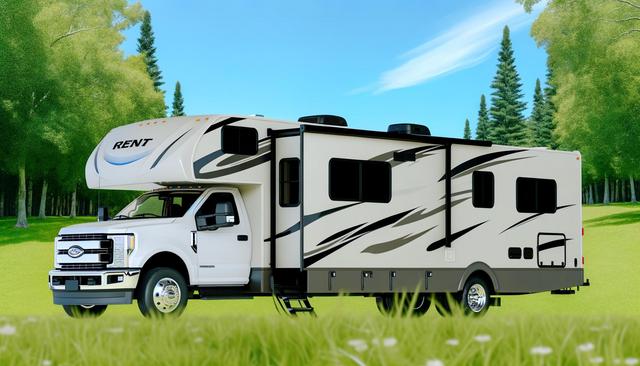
x=552, y=250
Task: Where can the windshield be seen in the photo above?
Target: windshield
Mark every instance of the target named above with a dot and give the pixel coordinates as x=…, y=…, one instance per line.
x=159, y=204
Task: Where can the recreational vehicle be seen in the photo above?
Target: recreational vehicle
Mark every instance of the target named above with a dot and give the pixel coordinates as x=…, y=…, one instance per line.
x=239, y=207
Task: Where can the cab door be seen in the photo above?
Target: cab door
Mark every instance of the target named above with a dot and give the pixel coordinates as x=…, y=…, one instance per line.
x=223, y=239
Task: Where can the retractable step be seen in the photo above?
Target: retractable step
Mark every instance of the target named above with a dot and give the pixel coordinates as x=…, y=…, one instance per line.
x=295, y=304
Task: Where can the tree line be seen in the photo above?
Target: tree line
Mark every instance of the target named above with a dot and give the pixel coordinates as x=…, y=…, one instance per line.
x=589, y=102
x=64, y=83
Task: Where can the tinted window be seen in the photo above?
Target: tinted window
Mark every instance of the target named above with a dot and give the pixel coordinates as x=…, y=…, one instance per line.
x=159, y=204
x=218, y=209
x=289, y=182
x=359, y=180
x=535, y=195
x=483, y=188
x=239, y=140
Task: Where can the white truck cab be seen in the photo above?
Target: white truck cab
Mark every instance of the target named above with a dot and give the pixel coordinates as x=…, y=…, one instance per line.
x=238, y=207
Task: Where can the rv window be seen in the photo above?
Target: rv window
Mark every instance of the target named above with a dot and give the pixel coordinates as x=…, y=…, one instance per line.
x=290, y=182
x=359, y=180
x=239, y=140
x=483, y=189
x=219, y=210
x=535, y=195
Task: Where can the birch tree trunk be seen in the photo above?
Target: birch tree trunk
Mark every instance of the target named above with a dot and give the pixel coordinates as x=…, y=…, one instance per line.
x=22, y=197
x=616, y=191
x=74, y=203
x=42, y=213
x=623, y=190
x=590, y=198
x=632, y=188
x=90, y=208
x=605, y=199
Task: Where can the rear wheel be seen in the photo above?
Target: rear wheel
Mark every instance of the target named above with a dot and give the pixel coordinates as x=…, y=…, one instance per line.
x=163, y=292
x=476, y=296
x=84, y=311
x=403, y=305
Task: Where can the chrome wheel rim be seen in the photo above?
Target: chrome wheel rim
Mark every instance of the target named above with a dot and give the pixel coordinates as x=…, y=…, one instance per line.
x=87, y=306
x=476, y=298
x=166, y=295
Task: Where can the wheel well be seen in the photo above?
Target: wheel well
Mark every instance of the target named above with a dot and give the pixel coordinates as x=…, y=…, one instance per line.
x=484, y=276
x=166, y=259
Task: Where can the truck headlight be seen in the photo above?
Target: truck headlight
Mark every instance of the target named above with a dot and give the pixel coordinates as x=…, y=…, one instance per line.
x=131, y=244
x=123, y=246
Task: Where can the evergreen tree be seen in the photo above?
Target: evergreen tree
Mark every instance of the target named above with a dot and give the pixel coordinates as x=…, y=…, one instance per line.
x=550, y=108
x=540, y=130
x=467, y=130
x=147, y=48
x=483, y=127
x=178, y=102
x=508, y=126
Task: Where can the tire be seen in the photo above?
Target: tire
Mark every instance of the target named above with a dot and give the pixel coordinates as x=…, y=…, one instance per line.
x=163, y=292
x=84, y=311
x=392, y=305
x=476, y=297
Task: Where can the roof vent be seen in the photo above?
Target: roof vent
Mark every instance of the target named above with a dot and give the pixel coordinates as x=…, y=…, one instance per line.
x=409, y=129
x=324, y=119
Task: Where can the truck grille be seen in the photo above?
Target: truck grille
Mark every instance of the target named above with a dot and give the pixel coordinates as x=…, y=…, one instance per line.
x=83, y=266
x=73, y=237
x=97, y=251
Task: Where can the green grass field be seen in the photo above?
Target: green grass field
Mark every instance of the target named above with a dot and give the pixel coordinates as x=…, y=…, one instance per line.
x=606, y=315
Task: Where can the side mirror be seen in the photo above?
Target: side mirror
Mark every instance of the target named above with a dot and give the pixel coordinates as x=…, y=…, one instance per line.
x=103, y=213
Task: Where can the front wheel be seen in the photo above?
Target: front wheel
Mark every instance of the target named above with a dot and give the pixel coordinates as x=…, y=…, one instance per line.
x=84, y=311
x=163, y=292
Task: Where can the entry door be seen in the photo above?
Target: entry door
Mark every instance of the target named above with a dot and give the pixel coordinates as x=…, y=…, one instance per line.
x=287, y=202
x=223, y=240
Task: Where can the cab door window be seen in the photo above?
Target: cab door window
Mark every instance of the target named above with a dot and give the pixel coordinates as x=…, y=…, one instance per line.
x=219, y=210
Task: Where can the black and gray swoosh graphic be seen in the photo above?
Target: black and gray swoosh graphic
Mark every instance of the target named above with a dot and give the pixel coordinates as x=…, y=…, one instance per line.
x=339, y=234
x=483, y=166
x=234, y=169
x=529, y=218
x=552, y=244
x=224, y=122
x=308, y=219
x=457, y=193
x=442, y=242
x=421, y=215
x=395, y=244
x=363, y=231
x=477, y=161
x=167, y=149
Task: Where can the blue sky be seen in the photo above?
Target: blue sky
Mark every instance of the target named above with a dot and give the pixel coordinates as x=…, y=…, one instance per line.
x=372, y=62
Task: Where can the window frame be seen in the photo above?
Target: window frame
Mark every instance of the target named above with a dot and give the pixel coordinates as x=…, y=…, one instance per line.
x=282, y=182
x=537, y=209
x=240, y=151
x=235, y=209
x=473, y=189
x=361, y=166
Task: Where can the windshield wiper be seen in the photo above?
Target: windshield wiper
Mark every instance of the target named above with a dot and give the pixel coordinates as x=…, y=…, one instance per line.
x=119, y=217
x=146, y=214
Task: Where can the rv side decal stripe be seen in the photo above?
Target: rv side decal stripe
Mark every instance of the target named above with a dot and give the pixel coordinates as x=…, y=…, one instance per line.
x=421, y=215
x=234, y=169
x=442, y=242
x=308, y=219
x=224, y=122
x=394, y=244
x=477, y=161
x=529, y=218
x=552, y=244
x=167, y=149
x=339, y=234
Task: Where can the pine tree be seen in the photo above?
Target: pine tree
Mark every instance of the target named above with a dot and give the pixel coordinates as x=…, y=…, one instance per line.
x=483, y=127
x=550, y=108
x=540, y=131
x=178, y=102
x=147, y=48
x=467, y=130
x=508, y=126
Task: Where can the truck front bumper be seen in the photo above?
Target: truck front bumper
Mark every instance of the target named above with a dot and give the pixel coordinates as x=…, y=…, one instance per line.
x=93, y=287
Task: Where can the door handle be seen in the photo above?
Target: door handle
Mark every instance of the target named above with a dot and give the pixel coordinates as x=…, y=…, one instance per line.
x=243, y=237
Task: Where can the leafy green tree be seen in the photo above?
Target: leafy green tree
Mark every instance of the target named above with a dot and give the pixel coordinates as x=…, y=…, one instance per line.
x=550, y=110
x=484, y=124
x=541, y=129
x=147, y=48
x=508, y=126
x=467, y=130
x=178, y=102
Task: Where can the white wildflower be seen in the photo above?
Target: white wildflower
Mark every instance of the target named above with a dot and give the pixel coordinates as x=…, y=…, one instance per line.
x=389, y=342
x=585, y=347
x=482, y=338
x=46, y=363
x=359, y=345
x=540, y=351
x=631, y=361
x=198, y=340
x=7, y=330
x=452, y=342
x=596, y=360
x=435, y=362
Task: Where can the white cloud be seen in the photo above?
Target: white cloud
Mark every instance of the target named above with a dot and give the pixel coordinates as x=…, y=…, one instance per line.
x=466, y=44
